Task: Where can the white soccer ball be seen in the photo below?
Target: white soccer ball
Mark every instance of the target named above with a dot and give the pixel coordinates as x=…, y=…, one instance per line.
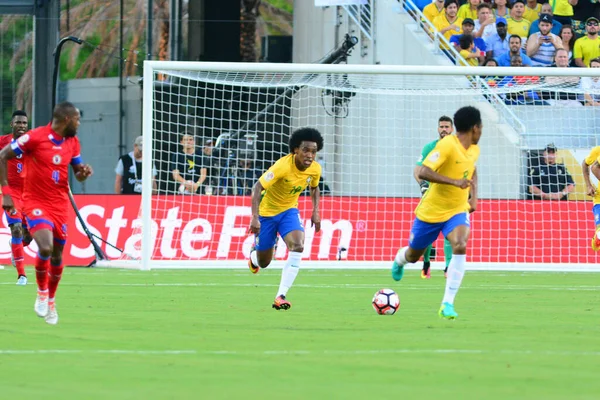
x=386, y=302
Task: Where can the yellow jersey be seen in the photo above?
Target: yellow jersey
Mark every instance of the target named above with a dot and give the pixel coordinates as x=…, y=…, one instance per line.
x=283, y=184
x=531, y=14
x=440, y=22
x=431, y=11
x=586, y=49
x=469, y=61
x=449, y=158
x=465, y=11
x=589, y=160
x=519, y=28
x=561, y=8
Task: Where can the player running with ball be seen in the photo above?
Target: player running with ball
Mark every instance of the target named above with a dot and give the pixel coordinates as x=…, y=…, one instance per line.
x=275, y=208
x=47, y=151
x=19, y=233
x=450, y=169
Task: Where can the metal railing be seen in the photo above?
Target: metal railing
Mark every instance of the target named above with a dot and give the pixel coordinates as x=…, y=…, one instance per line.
x=363, y=15
x=441, y=44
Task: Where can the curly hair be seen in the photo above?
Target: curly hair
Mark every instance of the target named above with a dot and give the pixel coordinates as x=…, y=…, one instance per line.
x=305, y=135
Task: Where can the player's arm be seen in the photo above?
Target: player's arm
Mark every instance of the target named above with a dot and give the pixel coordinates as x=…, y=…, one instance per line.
x=430, y=175
x=257, y=190
x=6, y=154
x=585, y=170
x=315, y=196
x=473, y=197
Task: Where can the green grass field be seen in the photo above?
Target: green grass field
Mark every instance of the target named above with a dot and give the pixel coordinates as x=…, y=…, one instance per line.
x=212, y=334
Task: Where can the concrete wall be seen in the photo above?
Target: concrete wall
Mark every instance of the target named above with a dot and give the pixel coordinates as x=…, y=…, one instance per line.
x=98, y=99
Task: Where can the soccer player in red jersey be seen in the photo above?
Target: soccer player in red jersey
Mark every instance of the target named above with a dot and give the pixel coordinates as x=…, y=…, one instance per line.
x=48, y=151
x=16, y=173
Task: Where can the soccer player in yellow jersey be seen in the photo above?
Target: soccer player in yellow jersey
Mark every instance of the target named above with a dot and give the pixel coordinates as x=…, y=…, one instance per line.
x=275, y=208
x=591, y=162
x=445, y=207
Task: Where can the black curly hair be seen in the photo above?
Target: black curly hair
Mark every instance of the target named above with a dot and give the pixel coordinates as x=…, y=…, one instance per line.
x=305, y=135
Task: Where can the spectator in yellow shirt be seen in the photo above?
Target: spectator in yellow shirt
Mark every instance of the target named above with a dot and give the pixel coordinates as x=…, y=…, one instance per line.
x=588, y=47
x=562, y=11
x=433, y=10
x=448, y=24
x=517, y=25
x=532, y=10
x=468, y=51
x=469, y=10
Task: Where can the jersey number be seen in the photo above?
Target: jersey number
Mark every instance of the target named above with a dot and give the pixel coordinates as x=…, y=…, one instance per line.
x=296, y=189
x=55, y=176
x=19, y=168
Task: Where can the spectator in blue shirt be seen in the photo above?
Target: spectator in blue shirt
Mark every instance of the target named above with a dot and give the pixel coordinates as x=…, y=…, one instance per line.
x=468, y=26
x=556, y=26
x=498, y=44
x=514, y=44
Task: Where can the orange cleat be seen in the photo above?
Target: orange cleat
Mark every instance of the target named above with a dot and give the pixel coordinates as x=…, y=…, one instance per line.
x=281, y=303
x=253, y=269
x=426, y=271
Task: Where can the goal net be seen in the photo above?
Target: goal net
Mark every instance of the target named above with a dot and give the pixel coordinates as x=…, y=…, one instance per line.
x=231, y=121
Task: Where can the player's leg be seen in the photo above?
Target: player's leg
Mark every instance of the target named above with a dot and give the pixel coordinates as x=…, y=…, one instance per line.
x=422, y=234
x=426, y=272
x=292, y=232
x=261, y=253
x=16, y=246
x=42, y=234
x=447, y=255
x=457, y=230
x=54, y=276
x=596, y=237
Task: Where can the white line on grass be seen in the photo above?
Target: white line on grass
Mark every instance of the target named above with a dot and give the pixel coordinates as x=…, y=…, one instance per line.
x=338, y=286
x=301, y=352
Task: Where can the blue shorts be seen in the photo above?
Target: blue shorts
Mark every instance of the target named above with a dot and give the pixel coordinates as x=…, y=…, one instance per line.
x=283, y=223
x=423, y=234
x=596, y=211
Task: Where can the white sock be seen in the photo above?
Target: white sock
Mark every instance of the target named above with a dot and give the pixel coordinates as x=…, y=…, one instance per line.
x=456, y=271
x=253, y=258
x=401, y=256
x=289, y=273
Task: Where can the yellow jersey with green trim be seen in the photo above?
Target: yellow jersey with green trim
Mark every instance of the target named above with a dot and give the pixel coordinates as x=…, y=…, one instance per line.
x=283, y=184
x=589, y=160
x=587, y=49
x=449, y=158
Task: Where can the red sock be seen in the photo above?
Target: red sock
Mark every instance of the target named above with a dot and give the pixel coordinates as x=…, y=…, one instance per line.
x=18, y=255
x=41, y=272
x=54, y=275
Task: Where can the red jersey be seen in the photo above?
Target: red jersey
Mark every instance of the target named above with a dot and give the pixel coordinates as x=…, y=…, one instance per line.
x=47, y=159
x=16, y=168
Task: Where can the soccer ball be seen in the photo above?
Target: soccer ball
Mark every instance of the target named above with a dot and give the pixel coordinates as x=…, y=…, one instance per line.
x=386, y=302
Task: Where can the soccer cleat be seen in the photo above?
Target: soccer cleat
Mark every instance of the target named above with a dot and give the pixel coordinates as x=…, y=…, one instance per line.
x=52, y=316
x=596, y=241
x=41, y=304
x=397, y=271
x=281, y=303
x=447, y=311
x=253, y=269
x=22, y=281
x=426, y=271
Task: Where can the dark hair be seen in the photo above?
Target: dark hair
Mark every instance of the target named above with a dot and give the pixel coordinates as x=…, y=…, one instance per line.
x=465, y=41
x=445, y=118
x=484, y=5
x=19, y=113
x=595, y=60
x=518, y=1
x=515, y=36
x=63, y=110
x=573, y=35
x=305, y=135
x=448, y=2
x=488, y=60
x=466, y=118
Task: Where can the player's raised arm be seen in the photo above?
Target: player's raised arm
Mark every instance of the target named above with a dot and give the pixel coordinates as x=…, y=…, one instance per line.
x=6, y=154
x=315, y=196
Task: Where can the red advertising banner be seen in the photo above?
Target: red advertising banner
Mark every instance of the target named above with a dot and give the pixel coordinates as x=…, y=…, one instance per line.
x=370, y=229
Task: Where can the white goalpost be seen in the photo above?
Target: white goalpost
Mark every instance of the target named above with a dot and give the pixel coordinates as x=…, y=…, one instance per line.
x=375, y=120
